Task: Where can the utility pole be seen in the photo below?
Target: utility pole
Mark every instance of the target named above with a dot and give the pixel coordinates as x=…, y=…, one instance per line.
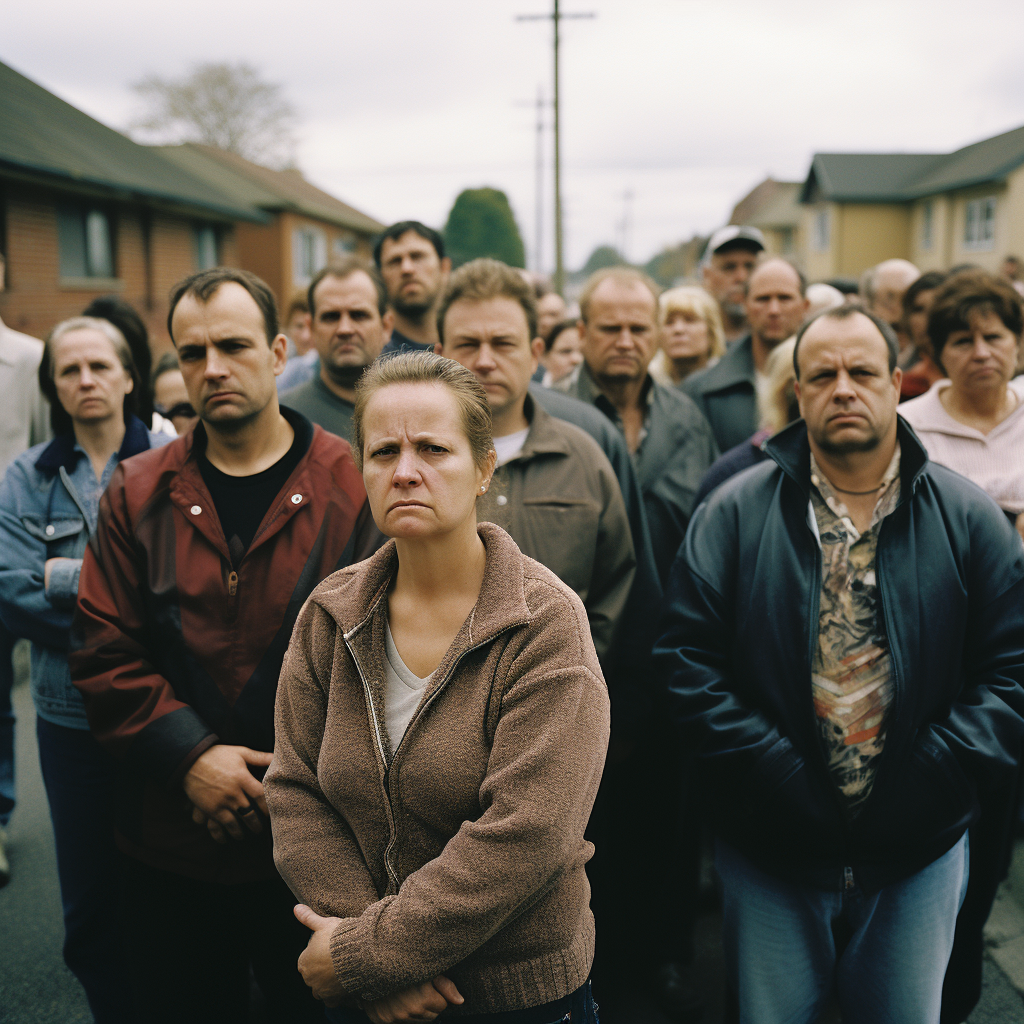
x=626, y=224
x=538, y=189
x=557, y=17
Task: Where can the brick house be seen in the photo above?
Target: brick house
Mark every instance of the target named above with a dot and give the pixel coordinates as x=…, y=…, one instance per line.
x=304, y=226
x=84, y=212
x=934, y=209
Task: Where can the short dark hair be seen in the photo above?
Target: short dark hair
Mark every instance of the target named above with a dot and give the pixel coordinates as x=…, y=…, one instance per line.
x=572, y=322
x=345, y=268
x=395, y=232
x=844, y=313
x=204, y=285
x=124, y=316
x=966, y=293
x=925, y=283
x=483, y=279
x=165, y=364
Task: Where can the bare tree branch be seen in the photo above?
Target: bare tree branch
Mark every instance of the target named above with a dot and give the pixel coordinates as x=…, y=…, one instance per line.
x=223, y=105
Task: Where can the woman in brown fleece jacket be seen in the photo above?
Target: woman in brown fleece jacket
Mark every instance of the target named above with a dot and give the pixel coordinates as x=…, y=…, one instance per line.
x=441, y=731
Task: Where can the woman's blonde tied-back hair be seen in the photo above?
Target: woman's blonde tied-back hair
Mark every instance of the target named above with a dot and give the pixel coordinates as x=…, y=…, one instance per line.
x=694, y=301
x=427, y=368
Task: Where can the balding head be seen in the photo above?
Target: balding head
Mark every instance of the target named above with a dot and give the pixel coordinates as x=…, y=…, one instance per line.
x=884, y=287
x=775, y=304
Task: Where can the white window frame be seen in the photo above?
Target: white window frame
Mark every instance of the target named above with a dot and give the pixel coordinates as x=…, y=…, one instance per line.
x=980, y=223
x=822, y=229
x=206, y=241
x=309, y=254
x=344, y=245
x=927, y=224
x=92, y=246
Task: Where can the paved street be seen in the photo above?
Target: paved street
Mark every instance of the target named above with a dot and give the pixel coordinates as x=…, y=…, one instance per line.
x=36, y=987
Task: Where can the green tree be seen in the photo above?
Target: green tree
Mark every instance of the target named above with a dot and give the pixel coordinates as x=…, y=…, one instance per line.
x=481, y=223
x=602, y=257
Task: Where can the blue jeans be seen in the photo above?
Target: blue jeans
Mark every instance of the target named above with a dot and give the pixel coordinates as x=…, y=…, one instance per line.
x=783, y=959
x=79, y=779
x=578, y=1007
x=6, y=726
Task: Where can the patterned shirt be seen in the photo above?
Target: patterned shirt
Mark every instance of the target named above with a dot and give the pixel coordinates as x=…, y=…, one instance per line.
x=851, y=678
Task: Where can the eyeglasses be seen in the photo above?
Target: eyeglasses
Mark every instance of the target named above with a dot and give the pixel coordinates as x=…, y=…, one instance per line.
x=178, y=409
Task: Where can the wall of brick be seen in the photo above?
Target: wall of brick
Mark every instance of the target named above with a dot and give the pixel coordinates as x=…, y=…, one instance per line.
x=152, y=251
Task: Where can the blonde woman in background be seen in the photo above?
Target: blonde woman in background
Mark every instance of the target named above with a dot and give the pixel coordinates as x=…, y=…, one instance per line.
x=692, y=336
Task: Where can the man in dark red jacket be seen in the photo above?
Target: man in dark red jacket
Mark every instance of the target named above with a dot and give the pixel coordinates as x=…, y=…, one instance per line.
x=203, y=555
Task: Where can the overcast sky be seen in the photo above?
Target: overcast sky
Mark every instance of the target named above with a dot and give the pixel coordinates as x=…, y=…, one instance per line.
x=686, y=104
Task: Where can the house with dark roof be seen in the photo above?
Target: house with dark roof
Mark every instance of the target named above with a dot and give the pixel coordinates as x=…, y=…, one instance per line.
x=84, y=211
x=773, y=208
x=935, y=209
x=304, y=225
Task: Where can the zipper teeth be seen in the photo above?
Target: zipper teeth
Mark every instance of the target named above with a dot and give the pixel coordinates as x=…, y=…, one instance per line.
x=416, y=717
x=380, y=746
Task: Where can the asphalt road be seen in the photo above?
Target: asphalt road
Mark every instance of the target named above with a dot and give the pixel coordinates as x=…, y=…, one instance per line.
x=36, y=987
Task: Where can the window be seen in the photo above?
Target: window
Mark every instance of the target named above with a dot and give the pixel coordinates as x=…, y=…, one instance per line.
x=927, y=221
x=344, y=245
x=309, y=254
x=822, y=230
x=85, y=243
x=206, y=247
x=980, y=223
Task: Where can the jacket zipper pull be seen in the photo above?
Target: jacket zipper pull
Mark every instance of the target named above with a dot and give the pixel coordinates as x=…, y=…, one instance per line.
x=232, y=583
x=847, y=879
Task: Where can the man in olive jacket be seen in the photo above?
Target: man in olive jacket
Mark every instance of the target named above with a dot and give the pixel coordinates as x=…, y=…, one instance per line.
x=554, y=490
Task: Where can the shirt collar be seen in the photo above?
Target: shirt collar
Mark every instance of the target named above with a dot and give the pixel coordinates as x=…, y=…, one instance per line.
x=65, y=451
x=888, y=494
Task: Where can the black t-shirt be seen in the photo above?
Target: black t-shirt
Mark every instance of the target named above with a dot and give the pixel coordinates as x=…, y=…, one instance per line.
x=242, y=501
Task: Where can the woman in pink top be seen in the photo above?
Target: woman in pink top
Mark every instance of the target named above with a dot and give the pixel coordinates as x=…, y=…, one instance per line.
x=973, y=422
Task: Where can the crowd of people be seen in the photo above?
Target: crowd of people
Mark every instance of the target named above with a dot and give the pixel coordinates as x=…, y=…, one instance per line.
x=411, y=653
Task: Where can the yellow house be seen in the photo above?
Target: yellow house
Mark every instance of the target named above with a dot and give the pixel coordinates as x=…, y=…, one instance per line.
x=936, y=210
x=774, y=208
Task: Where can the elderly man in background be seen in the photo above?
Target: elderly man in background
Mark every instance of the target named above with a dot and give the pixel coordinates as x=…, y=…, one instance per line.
x=776, y=305
x=728, y=261
x=882, y=290
x=23, y=423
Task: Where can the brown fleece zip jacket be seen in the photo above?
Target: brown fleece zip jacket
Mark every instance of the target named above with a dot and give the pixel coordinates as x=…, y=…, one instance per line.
x=466, y=856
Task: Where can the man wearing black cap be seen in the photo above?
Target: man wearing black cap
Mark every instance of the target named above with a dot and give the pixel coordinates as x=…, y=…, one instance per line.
x=728, y=261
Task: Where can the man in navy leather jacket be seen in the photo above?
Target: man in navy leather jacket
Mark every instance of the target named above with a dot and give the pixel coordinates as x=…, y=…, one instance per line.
x=844, y=652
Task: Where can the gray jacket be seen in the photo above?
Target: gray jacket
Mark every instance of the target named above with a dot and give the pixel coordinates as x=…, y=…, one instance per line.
x=675, y=452
x=726, y=394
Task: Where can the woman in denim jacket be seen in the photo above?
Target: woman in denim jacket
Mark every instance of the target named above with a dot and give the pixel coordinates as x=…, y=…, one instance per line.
x=48, y=505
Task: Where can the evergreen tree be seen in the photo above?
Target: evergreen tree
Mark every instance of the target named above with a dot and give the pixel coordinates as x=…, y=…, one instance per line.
x=481, y=223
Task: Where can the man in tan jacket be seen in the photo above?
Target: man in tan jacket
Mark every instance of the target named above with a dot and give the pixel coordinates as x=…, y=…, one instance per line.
x=554, y=490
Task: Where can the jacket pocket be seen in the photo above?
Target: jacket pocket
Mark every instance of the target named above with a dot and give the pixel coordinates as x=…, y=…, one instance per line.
x=64, y=537
x=561, y=533
x=928, y=803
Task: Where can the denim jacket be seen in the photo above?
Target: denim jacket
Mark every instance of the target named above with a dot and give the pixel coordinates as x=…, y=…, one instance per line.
x=49, y=500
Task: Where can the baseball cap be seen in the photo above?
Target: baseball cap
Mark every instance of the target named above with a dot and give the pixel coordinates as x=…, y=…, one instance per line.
x=734, y=236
